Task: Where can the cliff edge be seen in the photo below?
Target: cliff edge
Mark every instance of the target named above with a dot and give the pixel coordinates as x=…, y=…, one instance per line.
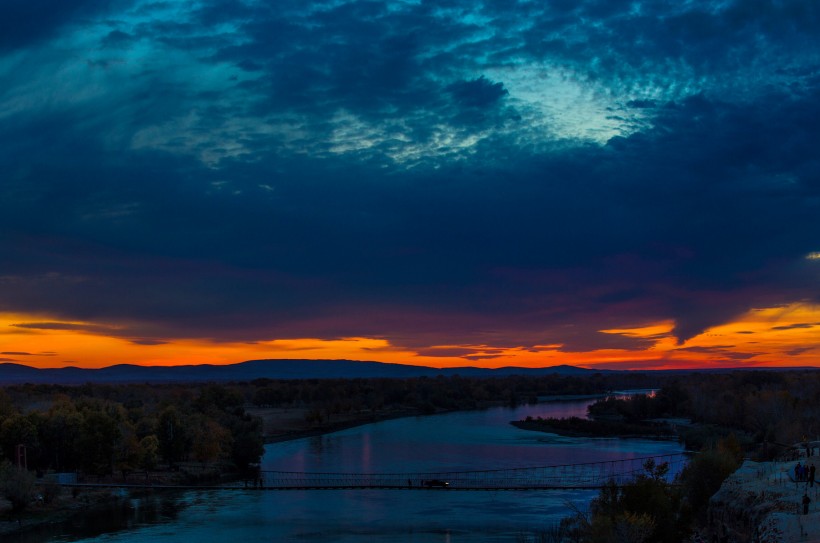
x=762, y=503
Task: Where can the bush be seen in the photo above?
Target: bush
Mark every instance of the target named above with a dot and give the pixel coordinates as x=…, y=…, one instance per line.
x=50, y=490
x=704, y=474
x=17, y=486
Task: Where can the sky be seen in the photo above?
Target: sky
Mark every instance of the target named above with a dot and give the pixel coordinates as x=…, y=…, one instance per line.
x=601, y=183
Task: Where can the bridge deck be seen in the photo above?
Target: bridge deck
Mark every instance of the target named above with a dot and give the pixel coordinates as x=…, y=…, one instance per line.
x=570, y=476
x=589, y=476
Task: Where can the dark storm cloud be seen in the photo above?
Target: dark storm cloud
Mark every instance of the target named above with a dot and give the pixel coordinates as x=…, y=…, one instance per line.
x=664, y=39
x=371, y=168
x=26, y=22
x=642, y=104
x=179, y=254
x=479, y=92
x=117, y=38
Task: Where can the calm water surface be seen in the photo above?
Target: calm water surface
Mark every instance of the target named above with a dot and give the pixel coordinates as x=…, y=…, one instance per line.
x=456, y=441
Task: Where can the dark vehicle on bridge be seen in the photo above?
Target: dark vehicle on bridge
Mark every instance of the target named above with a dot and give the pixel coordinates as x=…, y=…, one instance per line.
x=435, y=483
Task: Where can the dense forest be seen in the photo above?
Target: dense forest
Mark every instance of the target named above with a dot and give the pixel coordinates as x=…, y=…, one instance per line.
x=119, y=429
x=431, y=395
x=724, y=418
x=767, y=411
x=102, y=429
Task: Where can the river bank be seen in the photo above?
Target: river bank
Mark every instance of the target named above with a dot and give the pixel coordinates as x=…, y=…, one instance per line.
x=284, y=425
x=65, y=505
x=280, y=425
x=577, y=427
x=450, y=442
x=287, y=424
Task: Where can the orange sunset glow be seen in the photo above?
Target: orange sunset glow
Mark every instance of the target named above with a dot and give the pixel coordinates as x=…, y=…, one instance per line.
x=179, y=189
x=781, y=336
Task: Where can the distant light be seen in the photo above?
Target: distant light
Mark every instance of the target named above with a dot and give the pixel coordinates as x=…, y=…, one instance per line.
x=813, y=256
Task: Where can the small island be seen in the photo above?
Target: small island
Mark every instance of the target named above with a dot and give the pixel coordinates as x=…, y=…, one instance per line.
x=579, y=427
x=640, y=415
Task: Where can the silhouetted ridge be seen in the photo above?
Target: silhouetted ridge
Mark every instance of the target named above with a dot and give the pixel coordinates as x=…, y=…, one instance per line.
x=11, y=373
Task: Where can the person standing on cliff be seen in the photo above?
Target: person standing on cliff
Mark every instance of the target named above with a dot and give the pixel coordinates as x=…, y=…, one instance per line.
x=806, y=502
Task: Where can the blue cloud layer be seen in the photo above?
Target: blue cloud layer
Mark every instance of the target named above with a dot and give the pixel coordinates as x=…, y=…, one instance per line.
x=231, y=169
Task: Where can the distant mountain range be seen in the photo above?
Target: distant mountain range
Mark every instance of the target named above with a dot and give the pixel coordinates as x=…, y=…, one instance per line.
x=11, y=374
x=254, y=369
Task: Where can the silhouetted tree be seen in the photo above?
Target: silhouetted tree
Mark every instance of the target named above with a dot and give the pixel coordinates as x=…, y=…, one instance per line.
x=17, y=486
x=172, y=435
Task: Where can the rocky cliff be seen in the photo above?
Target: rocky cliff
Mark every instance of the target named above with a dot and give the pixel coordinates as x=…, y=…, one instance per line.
x=762, y=503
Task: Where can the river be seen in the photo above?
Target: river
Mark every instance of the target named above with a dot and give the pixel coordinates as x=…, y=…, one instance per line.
x=470, y=440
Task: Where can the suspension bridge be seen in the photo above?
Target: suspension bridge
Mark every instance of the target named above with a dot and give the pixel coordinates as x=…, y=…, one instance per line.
x=590, y=475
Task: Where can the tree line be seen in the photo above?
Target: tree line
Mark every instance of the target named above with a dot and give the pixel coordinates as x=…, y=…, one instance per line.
x=766, y=411
x=104, y=430
x=736, y=415
x=432, y=394
x=100, y=429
